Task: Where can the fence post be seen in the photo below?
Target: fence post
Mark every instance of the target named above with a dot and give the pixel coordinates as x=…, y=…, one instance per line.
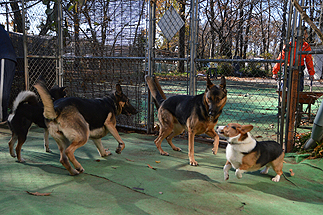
x=194, y=17
x=59, y=70
x=292, y=109
x=25, y=45
x=292, y=101
x=150, y=55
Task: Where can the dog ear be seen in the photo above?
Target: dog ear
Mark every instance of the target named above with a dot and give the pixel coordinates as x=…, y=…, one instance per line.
x=223, y=82
x=209, y=84
x=118, y=89
x=245, y=129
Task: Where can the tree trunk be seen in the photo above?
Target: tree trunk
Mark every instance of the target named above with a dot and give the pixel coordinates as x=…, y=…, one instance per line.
x=18, y=25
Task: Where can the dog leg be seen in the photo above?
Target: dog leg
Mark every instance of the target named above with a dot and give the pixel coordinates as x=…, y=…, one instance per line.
x=21, y=141
x=191, y=148
x=11, y=144
x=78, y=136
x=163, y=133
x=70, y=154
x=46, y=140
x=176, y=131
x=216, y=141
x=102, y=151
x=265, y=171
x=112, y=129
x=277, y=165
x=64, y=161
x=226, y=169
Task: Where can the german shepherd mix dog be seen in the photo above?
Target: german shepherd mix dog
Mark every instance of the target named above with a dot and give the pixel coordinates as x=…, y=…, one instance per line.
x=72, y=121
x=196, y=114
x=246, y=154
x=25, y=111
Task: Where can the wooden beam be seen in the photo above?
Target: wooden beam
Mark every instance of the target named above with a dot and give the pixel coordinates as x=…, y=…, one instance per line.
x=292, y=110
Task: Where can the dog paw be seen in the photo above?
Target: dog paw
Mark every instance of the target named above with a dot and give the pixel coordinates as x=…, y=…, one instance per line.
x=238, y=174
x=164, y=153
x=177, y=149
x=120, y=147
x=74, y=172
x=107, y=153
x=13, y=155
x=226, y=177
x=214, y=151
x=21, y=160
x=80, y=170
x=193, y=163
x=276, y=178
x=49, y=150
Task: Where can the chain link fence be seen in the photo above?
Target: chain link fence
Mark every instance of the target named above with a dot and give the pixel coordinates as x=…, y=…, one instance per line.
x=90, y=46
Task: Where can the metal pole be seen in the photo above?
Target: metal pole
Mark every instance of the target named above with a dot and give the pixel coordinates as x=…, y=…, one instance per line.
x=194, y=12
x=59, y=71
x=25, y=45
x=150, y=104
x=283, y=89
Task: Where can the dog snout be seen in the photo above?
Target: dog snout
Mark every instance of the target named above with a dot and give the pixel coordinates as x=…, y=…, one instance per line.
x=219, y=129
x=129, y=110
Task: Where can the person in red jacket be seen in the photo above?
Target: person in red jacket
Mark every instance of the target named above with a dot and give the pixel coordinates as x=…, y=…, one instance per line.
x=305, y=59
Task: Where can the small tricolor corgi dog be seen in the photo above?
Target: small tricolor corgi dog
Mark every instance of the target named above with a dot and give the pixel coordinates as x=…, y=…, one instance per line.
x=246, y=154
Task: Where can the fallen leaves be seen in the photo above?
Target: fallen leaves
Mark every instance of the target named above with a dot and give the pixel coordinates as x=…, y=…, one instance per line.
x=38, y=194
x=151, y=167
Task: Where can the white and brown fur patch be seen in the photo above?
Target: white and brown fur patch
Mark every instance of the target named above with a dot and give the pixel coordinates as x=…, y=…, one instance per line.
x=245, y=154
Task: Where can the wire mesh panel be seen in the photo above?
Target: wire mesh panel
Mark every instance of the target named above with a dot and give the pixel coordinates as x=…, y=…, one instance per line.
x=104, y=45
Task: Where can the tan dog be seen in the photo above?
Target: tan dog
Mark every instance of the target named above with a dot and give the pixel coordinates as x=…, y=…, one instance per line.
x=196, y=114
x=72, y=121
x=245, y=154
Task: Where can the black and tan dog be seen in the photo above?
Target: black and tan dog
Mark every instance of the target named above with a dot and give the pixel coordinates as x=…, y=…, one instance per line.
x=246, y=154
x=196, y=114
x=72, y=121
x=27, y=110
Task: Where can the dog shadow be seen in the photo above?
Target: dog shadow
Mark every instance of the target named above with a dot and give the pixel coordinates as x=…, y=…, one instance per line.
x=48, y=168
x=285, y=188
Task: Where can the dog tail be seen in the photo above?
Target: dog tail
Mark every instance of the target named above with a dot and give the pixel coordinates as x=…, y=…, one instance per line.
x=49, y=111
x=155, y=90
x=24, y=96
